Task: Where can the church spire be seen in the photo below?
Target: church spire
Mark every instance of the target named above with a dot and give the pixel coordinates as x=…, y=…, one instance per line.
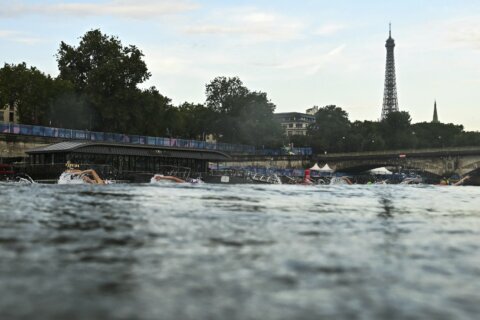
x=435, y=114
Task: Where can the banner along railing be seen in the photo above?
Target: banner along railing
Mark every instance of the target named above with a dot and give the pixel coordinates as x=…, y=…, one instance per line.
x=61, y=133
x=50, y=132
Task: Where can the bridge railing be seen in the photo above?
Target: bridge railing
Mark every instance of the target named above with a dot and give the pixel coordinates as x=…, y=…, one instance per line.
x=271, y=171
x=398, y=153
x=285, y=152
x=50, y=132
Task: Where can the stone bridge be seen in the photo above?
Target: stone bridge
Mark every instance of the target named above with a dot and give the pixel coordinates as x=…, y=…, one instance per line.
x=440, y=162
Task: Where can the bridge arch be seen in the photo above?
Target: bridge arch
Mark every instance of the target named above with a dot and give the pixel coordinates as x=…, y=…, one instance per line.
x=436, y=169
x=440, y=162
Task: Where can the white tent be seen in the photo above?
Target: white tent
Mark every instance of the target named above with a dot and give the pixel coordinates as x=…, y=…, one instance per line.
x=326, y=168
x=381, y=170
x=315, y=167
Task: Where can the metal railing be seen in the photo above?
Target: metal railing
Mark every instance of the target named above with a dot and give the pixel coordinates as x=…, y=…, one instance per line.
x=50, y=132
x=40, y=131
x=284, y=152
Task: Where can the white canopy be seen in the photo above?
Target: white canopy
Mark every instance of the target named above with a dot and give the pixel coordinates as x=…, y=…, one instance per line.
x=315, y=167
x=326, y=168
x=381, y=170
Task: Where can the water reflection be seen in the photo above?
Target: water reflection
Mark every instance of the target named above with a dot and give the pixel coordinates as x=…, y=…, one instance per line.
x=387, y=208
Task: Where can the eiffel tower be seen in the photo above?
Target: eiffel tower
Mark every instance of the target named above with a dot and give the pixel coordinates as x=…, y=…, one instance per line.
x=390, y=100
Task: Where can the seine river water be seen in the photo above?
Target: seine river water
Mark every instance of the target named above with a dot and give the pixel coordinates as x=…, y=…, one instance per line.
x=239, y=252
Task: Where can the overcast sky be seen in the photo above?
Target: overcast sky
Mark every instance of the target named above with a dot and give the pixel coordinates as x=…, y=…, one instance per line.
x=302, y=53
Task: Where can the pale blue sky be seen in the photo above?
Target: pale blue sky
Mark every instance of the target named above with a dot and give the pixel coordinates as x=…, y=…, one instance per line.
x=302, y=53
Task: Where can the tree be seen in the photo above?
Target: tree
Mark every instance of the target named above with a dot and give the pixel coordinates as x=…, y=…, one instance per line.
x=197, y=120
x=105, y=72
x=366, y=136
x=28, y=89
x=396, y=130
x=67, y=108
x=224, y=93
x=330, y=130
x=242, y=116
x=148, y=116
x=437, y=135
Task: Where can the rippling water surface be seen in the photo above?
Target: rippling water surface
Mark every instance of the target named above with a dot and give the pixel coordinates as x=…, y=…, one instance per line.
x=239, y=252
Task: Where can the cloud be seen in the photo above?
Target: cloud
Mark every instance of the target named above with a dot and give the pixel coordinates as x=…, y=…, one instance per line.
x=329, y=29
x=122, y=8
x=465, y=32
x=312, y=60
x=250, y=24
x=7, y=33
x=20, y=37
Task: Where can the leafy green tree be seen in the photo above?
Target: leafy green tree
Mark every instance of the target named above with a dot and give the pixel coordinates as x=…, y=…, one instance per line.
x=330, y=131
x=196, y=120
x=468, y=138
x=27, y=88
x=437, y=135
x=148, y=114
x=366, y=136
x=396, y=130
x=243, y=116
x=223, y=94
x=67, y=108
x=107, y=73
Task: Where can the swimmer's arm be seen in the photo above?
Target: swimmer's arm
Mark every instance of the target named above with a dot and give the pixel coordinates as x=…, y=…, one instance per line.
x=95, y=176
x=459, y=182
x=174, y=179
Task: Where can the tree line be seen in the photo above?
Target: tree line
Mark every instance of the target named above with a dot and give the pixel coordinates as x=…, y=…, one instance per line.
x=97, y=89
x=333, y=132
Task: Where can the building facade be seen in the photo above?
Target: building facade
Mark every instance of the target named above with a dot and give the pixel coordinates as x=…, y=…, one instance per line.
x=9, y=114
x=295, y=123
x=123, y=161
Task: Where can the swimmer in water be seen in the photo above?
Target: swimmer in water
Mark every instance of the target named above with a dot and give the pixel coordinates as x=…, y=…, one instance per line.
x=161, y=177
x=88, y=176
x=306, y=177
x=446, y=182
x=340, y=181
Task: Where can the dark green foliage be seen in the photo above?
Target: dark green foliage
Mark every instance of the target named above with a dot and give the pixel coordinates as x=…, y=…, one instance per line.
x=196, y=120
x=299, y=141
x=331, y=129
x=149, y=116
x=436, y=135
x=242, y=116
x=27, y=88
x=107, y=74
x=333, y=132
x=396, y=130
x=223, y=94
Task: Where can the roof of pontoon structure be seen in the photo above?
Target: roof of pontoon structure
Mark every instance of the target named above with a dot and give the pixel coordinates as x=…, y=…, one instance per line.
x=128, y=149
